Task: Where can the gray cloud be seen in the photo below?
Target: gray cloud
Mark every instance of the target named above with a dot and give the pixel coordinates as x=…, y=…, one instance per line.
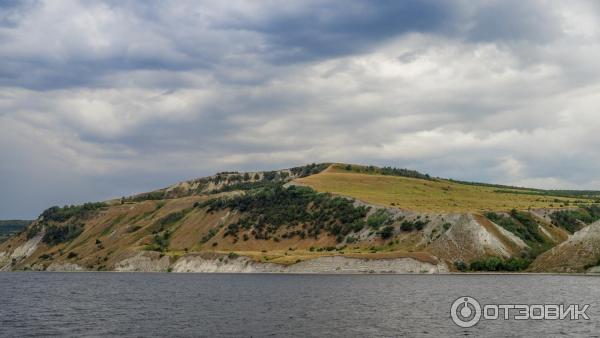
x=100, y=99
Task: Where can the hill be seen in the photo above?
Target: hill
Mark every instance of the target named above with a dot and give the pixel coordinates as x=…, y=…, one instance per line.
x=314, y=218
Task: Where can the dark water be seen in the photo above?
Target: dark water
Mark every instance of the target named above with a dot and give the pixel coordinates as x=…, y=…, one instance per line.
x=214, y=305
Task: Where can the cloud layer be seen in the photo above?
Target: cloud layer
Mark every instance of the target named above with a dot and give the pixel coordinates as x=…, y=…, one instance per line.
x=104, y=98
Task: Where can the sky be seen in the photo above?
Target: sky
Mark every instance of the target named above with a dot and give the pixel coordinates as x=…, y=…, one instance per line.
x=100, y=99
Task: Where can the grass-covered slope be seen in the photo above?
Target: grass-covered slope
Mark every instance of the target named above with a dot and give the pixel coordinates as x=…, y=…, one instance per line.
x=292, y=215
x=428, y=195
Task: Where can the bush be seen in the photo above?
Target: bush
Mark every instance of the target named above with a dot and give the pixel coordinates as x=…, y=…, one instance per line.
x=413, y=225
x=386, y=232
x=461, y=266
x=211, y=233
x=379, y=218
x=160, y=242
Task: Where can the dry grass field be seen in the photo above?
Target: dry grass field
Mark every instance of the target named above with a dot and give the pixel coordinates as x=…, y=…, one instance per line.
x=425, y=195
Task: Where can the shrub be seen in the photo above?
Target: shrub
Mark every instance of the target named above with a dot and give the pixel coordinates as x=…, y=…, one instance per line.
x=379, y=218
x=413, y=225
x=461, y=266
x=160, y=242
x=211, y=233
x=72, y=254
x=386, y=232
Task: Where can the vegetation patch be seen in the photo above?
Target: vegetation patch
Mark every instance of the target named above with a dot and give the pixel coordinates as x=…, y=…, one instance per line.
x=494, y=264
x=60, y=233
x=388, y=171
x=310, y=169
x=379, y=218
x=574, y=220
x=413, y=225
x=58, y=214
x=172, y=218
x=386, y=232
x=160, y=241
x=524, y=226
x=150, y=196
x=245, y=186
x=268, y=209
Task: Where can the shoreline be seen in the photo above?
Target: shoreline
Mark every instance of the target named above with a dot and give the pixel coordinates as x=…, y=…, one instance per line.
x=324, y=273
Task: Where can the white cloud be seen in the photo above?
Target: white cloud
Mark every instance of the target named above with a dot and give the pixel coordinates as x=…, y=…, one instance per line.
x=142, y=95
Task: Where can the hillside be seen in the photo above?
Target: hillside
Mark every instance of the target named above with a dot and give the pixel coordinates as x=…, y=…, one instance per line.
x=315, y=218
x=430, y=195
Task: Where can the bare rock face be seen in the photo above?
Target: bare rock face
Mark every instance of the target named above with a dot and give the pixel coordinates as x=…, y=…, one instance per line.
x=470, y=237
x=573, y=255
x=144, y=262
x=20, y=253
x=333, y=264
x=64, y=267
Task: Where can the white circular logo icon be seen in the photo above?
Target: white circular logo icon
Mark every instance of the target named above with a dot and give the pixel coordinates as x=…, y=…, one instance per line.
x=466, y=312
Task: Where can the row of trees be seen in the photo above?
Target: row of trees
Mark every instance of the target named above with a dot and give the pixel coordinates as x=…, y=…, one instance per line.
x=494, y=264
x=392, y=171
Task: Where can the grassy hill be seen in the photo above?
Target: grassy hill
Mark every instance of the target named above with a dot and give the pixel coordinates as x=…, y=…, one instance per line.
x=301, y=214
x=431, y=195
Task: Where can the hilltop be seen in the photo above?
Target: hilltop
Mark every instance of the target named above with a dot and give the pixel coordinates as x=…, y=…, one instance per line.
x=316, y=218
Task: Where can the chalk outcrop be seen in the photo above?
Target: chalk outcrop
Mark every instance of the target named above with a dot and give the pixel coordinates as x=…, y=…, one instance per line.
x=240, y=264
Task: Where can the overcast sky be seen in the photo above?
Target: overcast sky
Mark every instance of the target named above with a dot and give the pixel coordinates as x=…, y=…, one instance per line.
x=100, y=99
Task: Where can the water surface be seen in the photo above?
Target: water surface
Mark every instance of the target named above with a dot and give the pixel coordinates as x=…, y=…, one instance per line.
x=259, y=305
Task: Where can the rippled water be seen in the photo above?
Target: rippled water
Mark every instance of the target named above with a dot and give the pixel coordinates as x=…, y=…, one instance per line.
x=139, y=304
